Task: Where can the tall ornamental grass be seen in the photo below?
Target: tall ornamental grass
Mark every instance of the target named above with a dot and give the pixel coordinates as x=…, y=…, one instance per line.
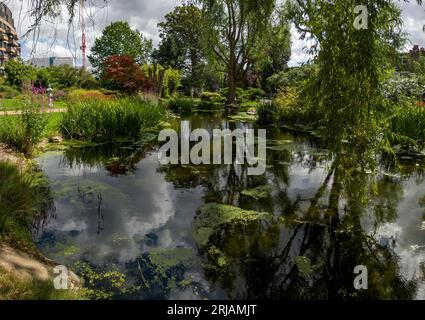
x=100, y=120
x=25, y=131
x=410, y=122
x=24, y=196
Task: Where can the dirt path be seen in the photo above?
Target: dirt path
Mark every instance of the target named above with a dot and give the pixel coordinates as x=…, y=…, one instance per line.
x=27, y=268
x=18, y=112
x=6, y=154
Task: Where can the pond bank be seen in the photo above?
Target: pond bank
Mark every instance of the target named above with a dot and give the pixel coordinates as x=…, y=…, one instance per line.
x=24, y=272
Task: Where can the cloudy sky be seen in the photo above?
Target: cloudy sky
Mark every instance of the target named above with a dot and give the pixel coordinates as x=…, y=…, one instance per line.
x=60, y=39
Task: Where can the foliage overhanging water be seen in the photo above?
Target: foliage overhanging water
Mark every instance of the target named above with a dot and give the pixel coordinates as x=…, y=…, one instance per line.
x=120, y=213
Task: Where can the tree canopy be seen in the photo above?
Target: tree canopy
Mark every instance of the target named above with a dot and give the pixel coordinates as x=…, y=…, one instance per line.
x=119, y=39
x=181, y=44
x=232, y=28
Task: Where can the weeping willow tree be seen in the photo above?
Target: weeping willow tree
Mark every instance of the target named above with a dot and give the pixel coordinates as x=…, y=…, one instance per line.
x=353, y=47
x=232, y=29
x=53, y=9
x=353, y=50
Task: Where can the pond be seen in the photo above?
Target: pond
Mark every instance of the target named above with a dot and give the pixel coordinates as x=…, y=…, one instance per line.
x=136, y=229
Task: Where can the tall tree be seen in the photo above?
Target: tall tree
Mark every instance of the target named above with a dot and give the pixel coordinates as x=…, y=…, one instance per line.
x=272, y=51
x=353, y=47
x=19, y=73
x=119, y=39
x=232, y=29
x=181, y=44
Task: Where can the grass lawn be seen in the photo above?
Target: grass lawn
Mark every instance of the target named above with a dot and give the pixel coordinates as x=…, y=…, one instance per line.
x=17, y=104
x=52, y=123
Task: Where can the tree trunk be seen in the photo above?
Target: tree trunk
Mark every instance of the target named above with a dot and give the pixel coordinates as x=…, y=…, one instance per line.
x=232, y=78
x=193, y=71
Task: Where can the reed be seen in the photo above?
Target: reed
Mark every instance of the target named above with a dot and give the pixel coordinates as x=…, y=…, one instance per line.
x=24, y=197
x=100, y=120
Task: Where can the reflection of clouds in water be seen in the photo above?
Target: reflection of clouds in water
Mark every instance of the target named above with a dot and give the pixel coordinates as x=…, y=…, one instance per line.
x=153, y=202
x=389, y=230
x=410, y=241
x=79, y=171
x=72, y=225
x=304, y=181
x=410, y=261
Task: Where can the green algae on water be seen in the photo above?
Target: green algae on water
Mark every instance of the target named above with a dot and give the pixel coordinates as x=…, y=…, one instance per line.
x=304, y=265
x=212, y=215
x=258, y=193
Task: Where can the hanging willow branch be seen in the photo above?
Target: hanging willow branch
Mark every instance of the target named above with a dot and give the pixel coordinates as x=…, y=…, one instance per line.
x=41, y=9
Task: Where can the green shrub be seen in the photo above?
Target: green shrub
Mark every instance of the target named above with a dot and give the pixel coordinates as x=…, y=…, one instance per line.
x=215, y=97
x=403, y=90
x=243, y=96
x=25, y=131
x=89, y=83
x=209, y=106
x=181, y=105
x=23, y=197
x=268, y=114
x=103, y=120
x=293, y=77
x=254, y=94
x=7, y=92
x=251, y=105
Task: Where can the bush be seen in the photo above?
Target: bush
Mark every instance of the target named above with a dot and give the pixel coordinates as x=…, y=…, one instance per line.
x=243, y=96
x=250, y=105
x=268, y=114
x=209, y=106
x=24, y=132
x=81, y=95
x=402, y=90
x=60, y=95
x=88, y=83
x=254, y=94
x=18, y=73
x=181, y=105
x=212, y=97
x=293, y=77
x=104, y=120
x=7, y=92
x=287, y=99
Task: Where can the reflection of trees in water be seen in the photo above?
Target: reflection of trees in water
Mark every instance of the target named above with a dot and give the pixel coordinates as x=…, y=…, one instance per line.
x=117, y=158
x=326, y=232
x=261, y=256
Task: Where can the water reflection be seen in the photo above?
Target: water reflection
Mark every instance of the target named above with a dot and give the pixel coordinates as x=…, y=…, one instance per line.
x=298, y=233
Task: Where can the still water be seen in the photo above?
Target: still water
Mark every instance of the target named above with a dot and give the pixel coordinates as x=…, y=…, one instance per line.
x=134, y=229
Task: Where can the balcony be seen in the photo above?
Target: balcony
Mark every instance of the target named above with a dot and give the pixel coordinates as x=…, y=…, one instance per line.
x=12, y=32
x=11, y=50
x=13, y=42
